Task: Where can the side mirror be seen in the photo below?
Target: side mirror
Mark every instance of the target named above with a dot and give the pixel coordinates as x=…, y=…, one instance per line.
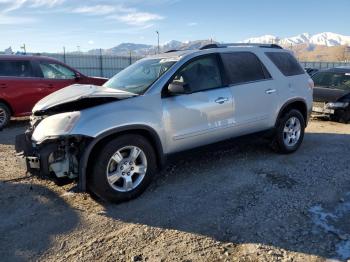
x=77, y=76
x=178, y=88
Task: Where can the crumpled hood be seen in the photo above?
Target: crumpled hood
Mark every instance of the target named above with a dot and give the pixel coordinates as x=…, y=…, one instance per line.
x=77, y=92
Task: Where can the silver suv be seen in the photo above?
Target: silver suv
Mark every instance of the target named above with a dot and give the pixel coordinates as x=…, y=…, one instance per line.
x=113, y=139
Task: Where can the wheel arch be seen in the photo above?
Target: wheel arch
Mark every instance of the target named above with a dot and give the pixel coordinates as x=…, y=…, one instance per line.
x=149, y=133
x=8, y=105
x=297, y=103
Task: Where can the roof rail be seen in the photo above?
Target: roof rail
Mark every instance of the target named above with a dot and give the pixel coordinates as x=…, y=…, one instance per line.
x=209, y=46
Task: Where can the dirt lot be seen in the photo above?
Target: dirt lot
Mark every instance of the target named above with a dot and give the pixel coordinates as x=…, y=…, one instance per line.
x=235, y=202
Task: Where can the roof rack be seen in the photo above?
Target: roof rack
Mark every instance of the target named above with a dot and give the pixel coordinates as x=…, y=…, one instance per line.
x=209, y=46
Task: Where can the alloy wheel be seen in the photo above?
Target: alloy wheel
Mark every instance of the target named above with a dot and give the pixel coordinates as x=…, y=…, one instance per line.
x=126, y=169
x=292, y=132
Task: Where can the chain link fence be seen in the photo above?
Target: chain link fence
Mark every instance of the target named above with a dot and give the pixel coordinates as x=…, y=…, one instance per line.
x=96, y=65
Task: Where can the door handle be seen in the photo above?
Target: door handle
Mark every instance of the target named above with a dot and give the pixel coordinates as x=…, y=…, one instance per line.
x=270, y=91
x=221, y=100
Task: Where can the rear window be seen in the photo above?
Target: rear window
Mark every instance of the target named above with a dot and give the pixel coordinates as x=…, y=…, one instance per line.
x=243, y=67
x=286, y=63
x=16, y=68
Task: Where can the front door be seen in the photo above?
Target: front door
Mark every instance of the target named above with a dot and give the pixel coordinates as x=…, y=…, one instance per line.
x=55, y=77
x=204, y=114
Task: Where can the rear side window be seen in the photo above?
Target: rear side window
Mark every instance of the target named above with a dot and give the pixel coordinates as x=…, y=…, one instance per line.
x=243, y=67
x=286, y=63
x=16, y=69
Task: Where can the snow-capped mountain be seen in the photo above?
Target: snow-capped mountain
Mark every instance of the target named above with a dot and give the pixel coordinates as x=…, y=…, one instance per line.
x=326, y=39
x=322, y=39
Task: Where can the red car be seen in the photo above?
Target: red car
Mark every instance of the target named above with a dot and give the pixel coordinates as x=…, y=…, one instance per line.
x=24, y=80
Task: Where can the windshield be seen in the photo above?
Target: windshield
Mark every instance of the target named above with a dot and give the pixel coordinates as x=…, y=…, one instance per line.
x=138, y=77
x=332, y=80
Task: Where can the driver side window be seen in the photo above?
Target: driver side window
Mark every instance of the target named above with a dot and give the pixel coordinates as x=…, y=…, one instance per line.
x=201, y=74
x=56, y=71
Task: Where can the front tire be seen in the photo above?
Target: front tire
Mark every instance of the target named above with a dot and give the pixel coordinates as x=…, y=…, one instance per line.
x=124, y=168
x=290, y=129
x=5, y=115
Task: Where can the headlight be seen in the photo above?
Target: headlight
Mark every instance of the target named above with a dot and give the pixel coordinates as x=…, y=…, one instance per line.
x=56, y=125
x=337, y=105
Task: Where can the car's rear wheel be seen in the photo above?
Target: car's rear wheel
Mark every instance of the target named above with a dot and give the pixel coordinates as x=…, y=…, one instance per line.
x=290, y=130
x=345, y=116
x=123, y=169
x=5, y=115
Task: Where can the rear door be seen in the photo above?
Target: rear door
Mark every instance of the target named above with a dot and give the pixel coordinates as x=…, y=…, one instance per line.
x=54, y=76
x=253, y=90
x=202, y=116
x=19, y=85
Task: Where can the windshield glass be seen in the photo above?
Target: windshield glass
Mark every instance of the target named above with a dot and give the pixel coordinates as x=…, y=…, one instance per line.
x=332, y=80
x=138, y=77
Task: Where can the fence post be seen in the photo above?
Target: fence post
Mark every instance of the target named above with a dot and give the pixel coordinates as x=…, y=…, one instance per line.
x=130, y=62
x=101, y=63
x=64, y=55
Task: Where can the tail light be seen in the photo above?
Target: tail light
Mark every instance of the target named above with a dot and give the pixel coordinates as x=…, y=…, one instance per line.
x=311, y=83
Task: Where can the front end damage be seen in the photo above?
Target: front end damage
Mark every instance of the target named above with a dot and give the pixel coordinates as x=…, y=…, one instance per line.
x=56, y=158
x=50, y=147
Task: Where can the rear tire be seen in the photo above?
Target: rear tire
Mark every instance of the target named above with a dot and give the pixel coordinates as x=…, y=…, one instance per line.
x=5, y=115
x=345, y=117
x=123, y=169
x=290, y=129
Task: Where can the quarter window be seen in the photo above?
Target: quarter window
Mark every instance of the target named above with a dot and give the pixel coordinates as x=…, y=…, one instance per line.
x=56, y=71
x=286, y=63
x=244, y=67
x=16, y=69
x=201, y=74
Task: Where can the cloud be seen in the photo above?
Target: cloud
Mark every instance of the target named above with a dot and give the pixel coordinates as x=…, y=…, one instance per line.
x=192, y=24
x=14, y=20
x=138, y=18
x=12, y=5
x=91, y=42
x=121, y=13
x=102, y=9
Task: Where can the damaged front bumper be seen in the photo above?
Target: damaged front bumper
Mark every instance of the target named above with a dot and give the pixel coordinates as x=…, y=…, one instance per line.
x=55, y=158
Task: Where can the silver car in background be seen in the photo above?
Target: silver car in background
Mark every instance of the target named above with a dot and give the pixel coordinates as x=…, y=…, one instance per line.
x=115, y=138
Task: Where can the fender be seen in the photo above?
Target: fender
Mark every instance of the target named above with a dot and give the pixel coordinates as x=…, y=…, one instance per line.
x=306, y=114
x=83, y=163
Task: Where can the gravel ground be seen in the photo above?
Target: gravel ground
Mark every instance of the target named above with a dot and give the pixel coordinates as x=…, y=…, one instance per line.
x=237, y=201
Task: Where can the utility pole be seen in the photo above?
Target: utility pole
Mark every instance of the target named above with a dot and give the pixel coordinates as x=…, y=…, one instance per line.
x=24, y=48
x=158, y=41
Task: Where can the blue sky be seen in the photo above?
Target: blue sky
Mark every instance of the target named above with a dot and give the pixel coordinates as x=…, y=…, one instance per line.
x=48, y=25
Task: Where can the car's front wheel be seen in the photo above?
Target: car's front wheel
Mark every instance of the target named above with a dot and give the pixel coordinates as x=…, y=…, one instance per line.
x=5, y=115
x=290, y=130
x=123, y=169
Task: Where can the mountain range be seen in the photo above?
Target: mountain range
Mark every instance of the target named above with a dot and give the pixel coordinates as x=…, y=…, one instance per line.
x=327, y=39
